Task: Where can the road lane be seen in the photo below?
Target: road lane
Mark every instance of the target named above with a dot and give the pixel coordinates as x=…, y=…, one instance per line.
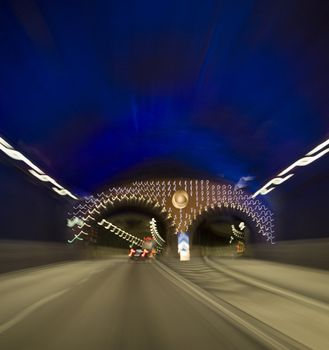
x=126, y=305
x=22, y=289
x=298, y=317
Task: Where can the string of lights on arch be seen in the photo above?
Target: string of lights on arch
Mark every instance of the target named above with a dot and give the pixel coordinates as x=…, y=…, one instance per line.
x=204, y=195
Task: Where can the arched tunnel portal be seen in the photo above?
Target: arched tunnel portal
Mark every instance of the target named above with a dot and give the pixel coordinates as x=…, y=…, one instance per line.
x=222, y=232
x=181, y=205
x=132, y=215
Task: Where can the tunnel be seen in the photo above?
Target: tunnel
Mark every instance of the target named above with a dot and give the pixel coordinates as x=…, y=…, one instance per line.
x=132, y=216
x=164, y=175
x=222, y=232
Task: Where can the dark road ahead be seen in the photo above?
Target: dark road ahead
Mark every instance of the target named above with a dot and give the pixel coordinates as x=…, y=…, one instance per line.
x=121, y=304
x=114, y=304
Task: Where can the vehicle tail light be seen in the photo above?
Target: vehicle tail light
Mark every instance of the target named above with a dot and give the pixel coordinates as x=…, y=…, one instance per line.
x=132, y=251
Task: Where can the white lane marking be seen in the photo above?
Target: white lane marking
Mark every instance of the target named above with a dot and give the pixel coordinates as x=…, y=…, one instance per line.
x=27, y=311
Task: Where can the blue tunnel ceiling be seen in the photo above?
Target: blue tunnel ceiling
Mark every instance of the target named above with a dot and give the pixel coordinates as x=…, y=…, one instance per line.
x=98, y=91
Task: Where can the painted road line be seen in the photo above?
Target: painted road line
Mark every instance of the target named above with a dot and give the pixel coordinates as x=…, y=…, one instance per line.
x=30, y=309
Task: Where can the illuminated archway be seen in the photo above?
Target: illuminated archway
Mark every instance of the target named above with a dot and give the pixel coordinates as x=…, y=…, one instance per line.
x=222, y=232
x=121, y=205
x=181, y=202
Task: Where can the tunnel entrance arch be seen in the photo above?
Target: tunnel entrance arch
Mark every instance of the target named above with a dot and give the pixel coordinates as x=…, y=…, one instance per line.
x=134, y=216
x=127, y=214
x=181, y=201
x=222, y=232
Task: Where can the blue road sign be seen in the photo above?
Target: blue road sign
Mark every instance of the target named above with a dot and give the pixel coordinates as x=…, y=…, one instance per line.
x=183, y=237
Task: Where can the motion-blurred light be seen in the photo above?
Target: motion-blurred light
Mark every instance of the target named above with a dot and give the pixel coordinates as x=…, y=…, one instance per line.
x=35, y=171
x=309, y=158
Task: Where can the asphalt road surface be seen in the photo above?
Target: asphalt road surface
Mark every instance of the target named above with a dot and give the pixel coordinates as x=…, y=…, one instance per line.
x=112, y=304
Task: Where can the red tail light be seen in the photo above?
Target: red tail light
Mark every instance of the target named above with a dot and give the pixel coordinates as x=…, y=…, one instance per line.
x=132, y=251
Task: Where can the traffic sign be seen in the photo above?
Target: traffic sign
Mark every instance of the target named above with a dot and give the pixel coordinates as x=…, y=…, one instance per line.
x=184, y=246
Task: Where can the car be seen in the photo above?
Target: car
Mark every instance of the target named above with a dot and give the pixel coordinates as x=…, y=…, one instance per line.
x=139, y=253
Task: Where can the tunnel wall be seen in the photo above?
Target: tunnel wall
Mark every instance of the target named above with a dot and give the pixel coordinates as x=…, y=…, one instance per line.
x=33, y=220
x=301, y=205
x=29, y=209
x=15, y=255
x=306, y=253
x=309, y=253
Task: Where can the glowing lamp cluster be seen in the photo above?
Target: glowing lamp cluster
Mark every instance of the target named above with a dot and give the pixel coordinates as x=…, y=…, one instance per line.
x=180, y=199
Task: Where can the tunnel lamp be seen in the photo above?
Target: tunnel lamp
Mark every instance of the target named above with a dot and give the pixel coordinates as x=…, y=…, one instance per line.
x=34, y=170
x=64, y=192
x=316, y=153
x=44, y=178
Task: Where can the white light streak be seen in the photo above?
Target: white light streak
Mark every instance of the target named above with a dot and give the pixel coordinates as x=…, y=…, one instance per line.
x=64, y=192
x=5, y=143
x=276, y=181
x=45, y=178
x=317, y=148
x=35, y=171
x=17, y=155
x=154, y=232
x=75, y=221
x=77, y=237
x=121, y=233
x=306, y=160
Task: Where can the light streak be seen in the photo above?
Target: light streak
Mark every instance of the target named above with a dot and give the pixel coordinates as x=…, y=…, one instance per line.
x=237, y=233
x=75, y=221
x=276, y=181
x=120, y=233
x=88, y=218
x=7, y=149
x=5, y=143
x=317, y=148
x=304, y=161
x=64, y=192
x=35, y=171
x=309, y=158
x=154, y=232
x=45, y=178
x=77, y=237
